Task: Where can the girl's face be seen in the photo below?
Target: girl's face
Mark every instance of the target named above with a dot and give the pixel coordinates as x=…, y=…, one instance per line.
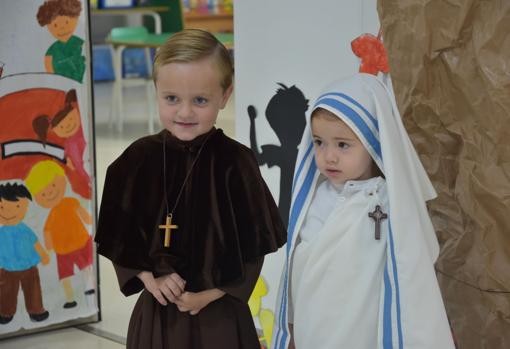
x=339, y=154
x=69, y=125
x=190, y=97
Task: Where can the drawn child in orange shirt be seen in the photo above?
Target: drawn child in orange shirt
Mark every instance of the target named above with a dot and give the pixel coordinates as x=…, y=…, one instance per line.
x=67, y=125
x=64, y=230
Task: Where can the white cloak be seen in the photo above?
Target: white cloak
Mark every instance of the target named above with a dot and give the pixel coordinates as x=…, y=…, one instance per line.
x=411, y=312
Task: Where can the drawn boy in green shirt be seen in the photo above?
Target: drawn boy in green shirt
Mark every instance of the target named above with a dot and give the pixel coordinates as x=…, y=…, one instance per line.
x=64, y=57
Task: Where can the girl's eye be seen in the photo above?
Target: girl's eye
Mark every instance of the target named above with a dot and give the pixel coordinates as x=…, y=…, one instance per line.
x=199, y=101
x=171, y=99
x=317, y=142
x=343, y=145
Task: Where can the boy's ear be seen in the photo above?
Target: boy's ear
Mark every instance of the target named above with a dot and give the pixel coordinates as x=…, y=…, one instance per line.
x=226, y=95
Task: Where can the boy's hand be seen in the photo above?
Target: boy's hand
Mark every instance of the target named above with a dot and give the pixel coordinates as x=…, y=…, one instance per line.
x=45, y=259
x=163, y=288
x=194, y=302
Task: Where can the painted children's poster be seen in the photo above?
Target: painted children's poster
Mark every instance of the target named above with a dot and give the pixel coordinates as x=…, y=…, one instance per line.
x=47, y=202
x=303, y=46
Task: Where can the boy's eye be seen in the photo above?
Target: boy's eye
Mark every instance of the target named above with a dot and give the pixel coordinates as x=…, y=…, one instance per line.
x=199, y=101
x=171, y=99
x=317, y=142
x=343, y=145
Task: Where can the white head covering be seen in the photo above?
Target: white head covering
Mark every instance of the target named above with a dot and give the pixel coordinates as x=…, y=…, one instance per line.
x=416, y=311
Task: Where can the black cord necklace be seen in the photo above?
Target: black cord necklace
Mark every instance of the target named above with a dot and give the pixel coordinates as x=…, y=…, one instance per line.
x=168, y=226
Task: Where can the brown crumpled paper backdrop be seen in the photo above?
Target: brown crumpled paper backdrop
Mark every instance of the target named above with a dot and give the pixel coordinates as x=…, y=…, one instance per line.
x=450, y=66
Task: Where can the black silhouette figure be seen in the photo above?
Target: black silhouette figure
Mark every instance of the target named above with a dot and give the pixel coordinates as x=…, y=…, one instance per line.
x=286, y=114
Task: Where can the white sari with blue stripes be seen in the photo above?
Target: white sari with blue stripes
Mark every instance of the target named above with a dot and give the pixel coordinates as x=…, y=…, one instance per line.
x=411, y=311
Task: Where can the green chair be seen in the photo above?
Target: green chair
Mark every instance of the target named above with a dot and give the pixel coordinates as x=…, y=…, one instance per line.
x=130, y=34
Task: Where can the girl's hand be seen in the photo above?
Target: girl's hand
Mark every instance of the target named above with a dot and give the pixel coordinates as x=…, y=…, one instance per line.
x=70, y=164
x=163, y=288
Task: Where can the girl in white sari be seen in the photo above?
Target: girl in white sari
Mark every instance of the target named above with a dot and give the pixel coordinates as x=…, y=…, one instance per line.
x=361, y=247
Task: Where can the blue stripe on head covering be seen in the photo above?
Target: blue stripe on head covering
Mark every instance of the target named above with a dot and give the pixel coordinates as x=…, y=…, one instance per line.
x=356, y=103
x=301, y=165
x=358, y=122
x=397, y=288
x=387, y=330
x=282, y=325
x=296, y=209
x=300, y=201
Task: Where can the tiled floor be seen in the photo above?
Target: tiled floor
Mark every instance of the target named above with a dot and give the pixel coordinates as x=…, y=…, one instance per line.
x=110, y=333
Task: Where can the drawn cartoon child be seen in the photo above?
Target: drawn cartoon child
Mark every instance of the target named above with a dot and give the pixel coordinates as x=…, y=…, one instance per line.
x=286, y=114
x=64, y=229
x=66, y=124
x=20, y=252
x=64, y=57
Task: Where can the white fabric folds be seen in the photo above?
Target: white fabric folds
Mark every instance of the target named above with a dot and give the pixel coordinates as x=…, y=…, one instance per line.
x=411, y=311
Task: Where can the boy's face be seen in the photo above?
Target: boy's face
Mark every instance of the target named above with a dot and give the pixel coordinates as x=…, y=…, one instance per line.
x=13, y=212
x=190, y=97
x=63, y=27
x=339, y=154
x=51, y=195
x=68, y=125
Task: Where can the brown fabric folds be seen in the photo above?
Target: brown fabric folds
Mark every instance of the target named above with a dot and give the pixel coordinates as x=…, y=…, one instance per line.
x=451, y=74
x=226, y=214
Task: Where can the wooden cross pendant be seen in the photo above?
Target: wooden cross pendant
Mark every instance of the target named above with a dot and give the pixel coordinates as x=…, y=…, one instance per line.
x=378, y=215
x=168, y=226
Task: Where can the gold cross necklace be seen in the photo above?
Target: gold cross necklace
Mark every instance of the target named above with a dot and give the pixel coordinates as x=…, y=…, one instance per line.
x=168, y=226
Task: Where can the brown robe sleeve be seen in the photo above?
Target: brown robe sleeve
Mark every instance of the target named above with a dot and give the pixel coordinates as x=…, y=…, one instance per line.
x=242, y=289
x=129, y=283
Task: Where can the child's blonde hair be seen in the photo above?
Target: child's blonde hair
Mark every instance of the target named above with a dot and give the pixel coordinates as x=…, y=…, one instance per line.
x=42, y=174
x=191, y=45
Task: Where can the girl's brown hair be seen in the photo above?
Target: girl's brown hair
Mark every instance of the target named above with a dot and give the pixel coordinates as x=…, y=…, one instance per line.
x=42, y=123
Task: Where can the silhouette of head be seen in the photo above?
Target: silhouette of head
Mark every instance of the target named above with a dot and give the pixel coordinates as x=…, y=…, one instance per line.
x=286, y=113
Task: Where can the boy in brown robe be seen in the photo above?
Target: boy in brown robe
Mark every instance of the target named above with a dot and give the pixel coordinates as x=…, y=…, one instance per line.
x=185, y=215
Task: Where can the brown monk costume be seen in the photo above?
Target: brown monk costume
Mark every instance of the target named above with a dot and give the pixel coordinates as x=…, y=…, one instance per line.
x=227, y=221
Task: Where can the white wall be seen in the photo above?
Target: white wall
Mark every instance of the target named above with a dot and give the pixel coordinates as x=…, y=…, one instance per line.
x=296, y=42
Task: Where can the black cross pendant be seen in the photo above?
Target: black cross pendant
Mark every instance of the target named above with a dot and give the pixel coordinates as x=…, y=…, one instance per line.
x=378, y=215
